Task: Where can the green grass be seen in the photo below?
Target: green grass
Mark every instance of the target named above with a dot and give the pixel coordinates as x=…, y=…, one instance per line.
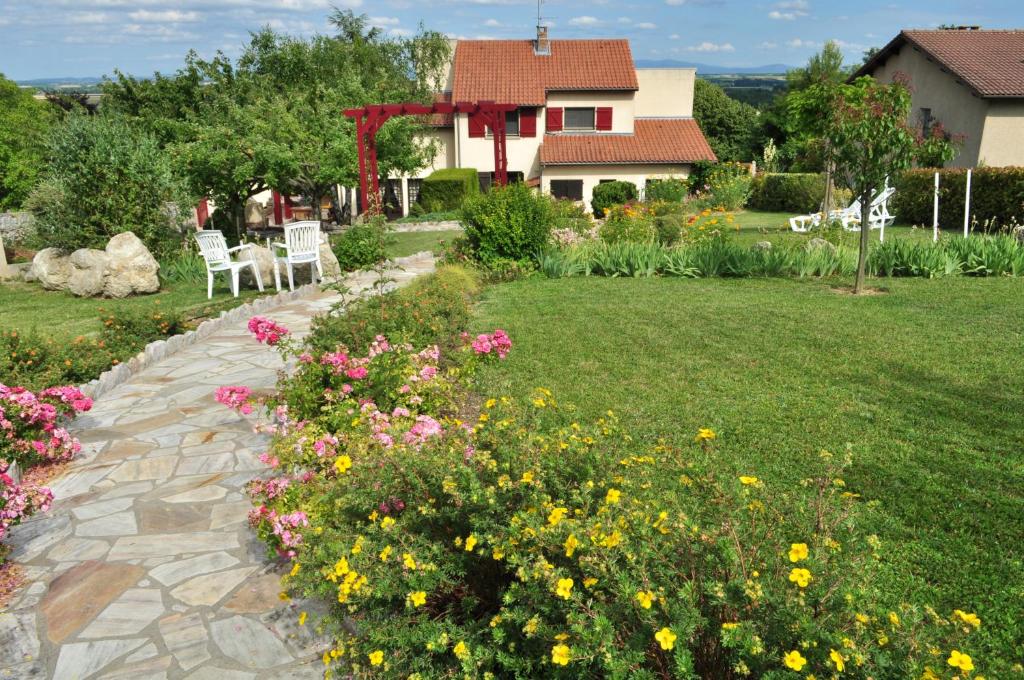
x=409, y=242
x=925, y=382
x=755, y=225
x=25, y=306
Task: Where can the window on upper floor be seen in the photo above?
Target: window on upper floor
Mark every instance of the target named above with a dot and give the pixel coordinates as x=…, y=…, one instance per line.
x=579, y=118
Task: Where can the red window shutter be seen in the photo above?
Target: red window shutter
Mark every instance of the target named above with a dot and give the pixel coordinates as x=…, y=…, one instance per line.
x=477, y=127
x=603, y=118
x=554, y=119
x=528, y=122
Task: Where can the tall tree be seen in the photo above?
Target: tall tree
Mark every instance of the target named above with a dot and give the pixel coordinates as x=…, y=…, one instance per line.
x=24, y=125
x=868, y=131
x=729, y=125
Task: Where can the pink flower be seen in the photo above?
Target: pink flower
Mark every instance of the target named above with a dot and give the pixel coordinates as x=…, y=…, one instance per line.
x=424, y=428
x=266, y=331
x=357, y=373
x=234, y=397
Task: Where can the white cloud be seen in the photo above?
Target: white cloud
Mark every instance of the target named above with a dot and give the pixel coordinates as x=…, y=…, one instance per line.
x=159, y=33
x=584, y=21
x=646, y=25
x=624, y=20
x=675, y=3
x=788, y=10
x=88, y=18
x=493, y=23
x=674, y=36
x=767, y=45
x=799, y=42
x=383, y=22
x=170, y=16
x=711, y=47
x=400, y=32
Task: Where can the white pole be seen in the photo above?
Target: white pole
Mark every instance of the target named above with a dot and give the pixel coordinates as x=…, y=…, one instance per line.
x=967, y=203
x=935, y=211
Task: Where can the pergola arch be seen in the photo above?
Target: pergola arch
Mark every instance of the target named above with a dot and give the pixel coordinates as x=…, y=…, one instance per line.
x=369, y=120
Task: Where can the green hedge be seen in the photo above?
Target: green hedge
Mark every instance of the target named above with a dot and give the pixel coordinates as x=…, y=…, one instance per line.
x=997, y=197
x=607, y=194
x=448, y=189
x=792, y=192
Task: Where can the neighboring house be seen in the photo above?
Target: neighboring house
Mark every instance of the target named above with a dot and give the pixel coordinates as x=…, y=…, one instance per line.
x=586, y=115
x=969, y=80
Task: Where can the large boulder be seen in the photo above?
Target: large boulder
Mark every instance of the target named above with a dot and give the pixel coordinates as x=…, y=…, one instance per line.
x=265, y=262
x=131, y=267
x=51, y=268
x=329, y=262
x=88, y=268
x=819, y=243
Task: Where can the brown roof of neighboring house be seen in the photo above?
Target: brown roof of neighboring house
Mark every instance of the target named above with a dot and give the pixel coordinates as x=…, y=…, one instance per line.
x=508, y=71
x=441, y=119
x=654, y=140
x=990, y=62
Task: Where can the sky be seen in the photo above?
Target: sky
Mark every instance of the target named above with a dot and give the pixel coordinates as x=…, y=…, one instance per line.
x=83, y=38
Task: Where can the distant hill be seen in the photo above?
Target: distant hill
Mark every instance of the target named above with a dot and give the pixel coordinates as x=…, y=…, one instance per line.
x=57, y=84
x=709, y=69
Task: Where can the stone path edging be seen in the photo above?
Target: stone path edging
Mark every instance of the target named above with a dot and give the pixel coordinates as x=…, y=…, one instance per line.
x=145, y=568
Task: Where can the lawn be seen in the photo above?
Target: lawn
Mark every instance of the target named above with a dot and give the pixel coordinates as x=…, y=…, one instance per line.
x=25, y=306
x=755, y=225
x=924, y=382
x=409, y=242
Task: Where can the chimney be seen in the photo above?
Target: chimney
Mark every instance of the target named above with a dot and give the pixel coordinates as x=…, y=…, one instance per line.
x=542, y=46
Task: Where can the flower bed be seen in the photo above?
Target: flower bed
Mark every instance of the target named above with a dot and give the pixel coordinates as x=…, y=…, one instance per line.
x=503, y=539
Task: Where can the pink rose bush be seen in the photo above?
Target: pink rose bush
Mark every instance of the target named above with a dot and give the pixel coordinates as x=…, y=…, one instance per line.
x=266, y=331
x=19, y=501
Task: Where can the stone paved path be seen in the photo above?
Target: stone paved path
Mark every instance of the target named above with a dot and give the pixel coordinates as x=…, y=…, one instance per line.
x=146, y=567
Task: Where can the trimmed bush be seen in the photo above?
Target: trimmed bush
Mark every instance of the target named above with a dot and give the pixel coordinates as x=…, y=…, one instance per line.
x=788, y=192
x=511, y=222
x=448, y=189
x=997, y=197
x=361, y=246
x=607, y=194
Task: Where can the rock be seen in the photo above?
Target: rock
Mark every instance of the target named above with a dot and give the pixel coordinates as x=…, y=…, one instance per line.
x=88, y=267
x=762, y=245
x=254, y=214
x=816, y=243
x=1018, y=233
x=265, y=262
x=51, y=268
x=131, y=268
x=329, y=262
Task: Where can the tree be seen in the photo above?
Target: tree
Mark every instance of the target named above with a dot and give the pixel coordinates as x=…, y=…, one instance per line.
x=105, y=177
x=729, y=125
x=24, y=124
x=871, y=141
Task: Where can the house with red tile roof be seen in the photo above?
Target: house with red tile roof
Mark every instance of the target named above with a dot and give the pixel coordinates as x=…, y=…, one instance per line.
x=969, y=80
x=585, y=114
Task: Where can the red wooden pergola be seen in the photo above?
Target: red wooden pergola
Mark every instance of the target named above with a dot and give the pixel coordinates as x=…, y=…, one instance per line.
x=369, y=119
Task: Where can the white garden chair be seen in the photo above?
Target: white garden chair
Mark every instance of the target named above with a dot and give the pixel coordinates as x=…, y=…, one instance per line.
x=301, y=246
x=217, y=257
x=849, y=217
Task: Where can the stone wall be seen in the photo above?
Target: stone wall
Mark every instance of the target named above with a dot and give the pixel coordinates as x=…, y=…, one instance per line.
x=14, y=225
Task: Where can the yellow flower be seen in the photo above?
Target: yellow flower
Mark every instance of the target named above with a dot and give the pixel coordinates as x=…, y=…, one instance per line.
x=376, y=658
x=571, y=544
x=283, y=596
x=556, y=515
x=490, y=403
x=342, y=463
x=862, y=618
x=564, y=588
x=302, y=618
x=970, y=619
x=645, y=598
x=612, y=496
x=385, y=553
x=705, y=434
x=801, y=577
x=837, y=659
x=587, y=582
x=417, y=599
x=527, y=477
x=295, y=569
x=560, y=655
x=470, y=543
x=387, y=523
x=894, y=619
x=461, y=650
x=794, y=660
x=961, y=661
x=497, y=554
x=730, y=626
x=666, y=638
x=408, y=561
x=748, y=481
x=797, y=552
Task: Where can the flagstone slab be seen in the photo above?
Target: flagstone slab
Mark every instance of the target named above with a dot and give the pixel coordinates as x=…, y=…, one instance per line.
x=200, y=495
x=152, y=669
x=116, y=524
x=207, y=464
x=160, y=518
x=228, y=514
x=78, y=550
x=215, y=673
x=83, y=659
x=127, y=615
x=186, y=638
x=133, y=489
x=172, y=573
x=101, y=508
x=75, y=597
x=18, y=639
x=249, y=643
x=159, y=545
x=256, y=596
x=209, y=589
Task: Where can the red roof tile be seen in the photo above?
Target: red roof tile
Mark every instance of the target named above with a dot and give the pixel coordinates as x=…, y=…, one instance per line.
x=654, y=140
x=508, y=71
x=989, y=62
x=441, y=119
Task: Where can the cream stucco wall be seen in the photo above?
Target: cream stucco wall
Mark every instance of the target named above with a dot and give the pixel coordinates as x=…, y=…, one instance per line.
x=444, y=139
x=622, y=104
x=951, y=102
x=1002, y=142
x=593, y=174
x=664, y=92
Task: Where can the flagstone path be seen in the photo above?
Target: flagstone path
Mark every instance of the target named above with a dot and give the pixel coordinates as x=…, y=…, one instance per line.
x=146, y=568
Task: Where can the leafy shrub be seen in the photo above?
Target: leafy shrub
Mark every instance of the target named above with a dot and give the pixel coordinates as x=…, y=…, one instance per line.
x=669, y=228
x=104, y=178
x=792, y=192
x=669, y=190
x=448, y=188
x=628, y=223
x=183, y=266
x=433, y=308
x=997, y=197
x=725, y=193
x=361, y=246
x=608, y=194
x=511, y=222
x=24, y=125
